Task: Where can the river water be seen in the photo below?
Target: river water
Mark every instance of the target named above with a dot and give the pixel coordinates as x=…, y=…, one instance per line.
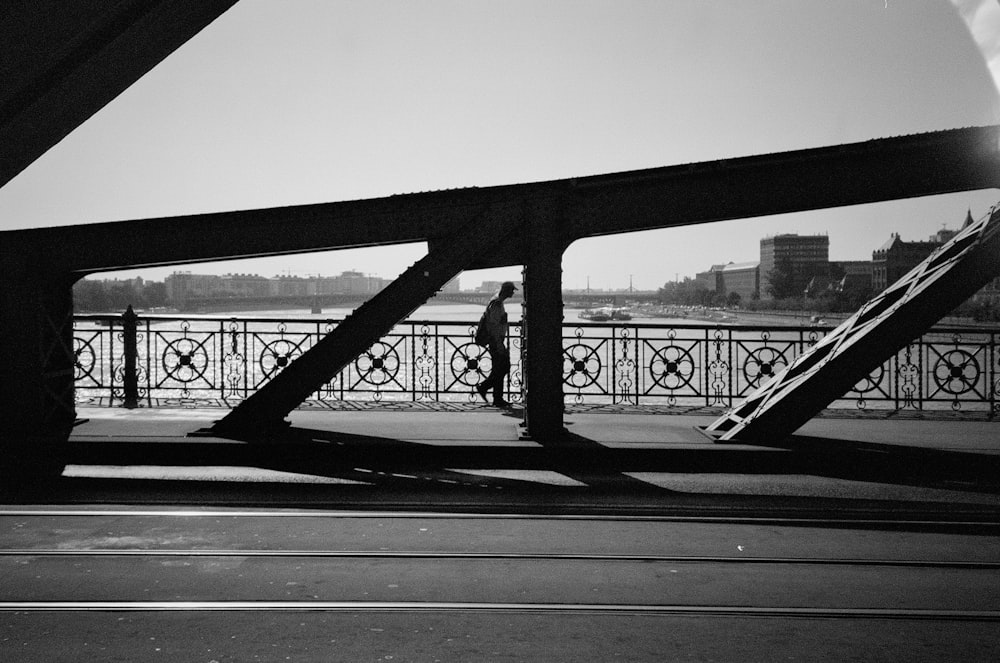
x=471, y=312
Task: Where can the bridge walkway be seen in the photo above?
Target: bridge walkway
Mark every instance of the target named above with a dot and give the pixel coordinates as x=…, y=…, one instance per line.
x=447, y=453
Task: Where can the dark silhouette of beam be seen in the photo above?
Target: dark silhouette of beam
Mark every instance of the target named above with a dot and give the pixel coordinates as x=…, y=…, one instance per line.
x=871, y=171
x=61, y=62
x=262, y=413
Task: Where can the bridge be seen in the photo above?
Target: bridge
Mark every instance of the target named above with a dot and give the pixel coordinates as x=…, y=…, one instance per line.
x=529, y=224
x=581, y=299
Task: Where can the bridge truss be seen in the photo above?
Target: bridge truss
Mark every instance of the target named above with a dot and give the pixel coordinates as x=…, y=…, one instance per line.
x=527, y=224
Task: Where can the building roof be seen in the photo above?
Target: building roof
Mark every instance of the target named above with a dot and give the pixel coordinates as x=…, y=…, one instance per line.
x=738, y=266
x=889, y=242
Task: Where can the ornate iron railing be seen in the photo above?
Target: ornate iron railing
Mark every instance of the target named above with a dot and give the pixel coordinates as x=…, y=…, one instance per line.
x=192, y=359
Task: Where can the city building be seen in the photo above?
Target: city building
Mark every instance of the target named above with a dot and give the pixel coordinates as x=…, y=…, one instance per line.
x=243, y=285
x=742, y=278
x=788, y=262
x=895, y=258
x=182, y=286
x=710, y=280
x=853, y=275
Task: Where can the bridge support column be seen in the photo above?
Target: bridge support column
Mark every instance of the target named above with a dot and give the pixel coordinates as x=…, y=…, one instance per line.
x=543, y=316
x=37, y=366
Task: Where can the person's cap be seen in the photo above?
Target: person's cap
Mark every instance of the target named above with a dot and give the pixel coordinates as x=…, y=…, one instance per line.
x=508, y=285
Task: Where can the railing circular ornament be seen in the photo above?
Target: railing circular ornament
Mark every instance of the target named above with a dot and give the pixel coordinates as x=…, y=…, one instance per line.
x=762, y=364
x=672, y=367
x=581, y=366
x=956, y=372
x=379, y=365
x=185, y=360
x=470, y=364
x=276, y=355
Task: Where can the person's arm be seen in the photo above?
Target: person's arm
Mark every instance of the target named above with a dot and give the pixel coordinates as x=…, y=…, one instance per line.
x=494, y=324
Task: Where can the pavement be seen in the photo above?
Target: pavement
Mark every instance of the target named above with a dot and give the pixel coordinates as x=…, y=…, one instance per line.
x=481, y=454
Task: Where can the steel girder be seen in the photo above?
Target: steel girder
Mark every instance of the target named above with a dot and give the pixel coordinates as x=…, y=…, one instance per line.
x=262, y=414
x=61, y=62
x=876, y=170
x=869, y=338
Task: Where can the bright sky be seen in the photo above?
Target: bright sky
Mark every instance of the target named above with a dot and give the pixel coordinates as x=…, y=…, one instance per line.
x=304, y=101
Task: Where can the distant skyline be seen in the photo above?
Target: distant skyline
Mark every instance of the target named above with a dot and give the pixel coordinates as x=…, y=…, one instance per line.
x=320, y=100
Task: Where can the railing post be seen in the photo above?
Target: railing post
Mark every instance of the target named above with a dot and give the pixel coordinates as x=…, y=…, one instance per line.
x=130, y=377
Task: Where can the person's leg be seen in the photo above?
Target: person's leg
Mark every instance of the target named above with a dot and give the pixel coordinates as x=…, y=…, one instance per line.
x=490, y=382
x=501, y=366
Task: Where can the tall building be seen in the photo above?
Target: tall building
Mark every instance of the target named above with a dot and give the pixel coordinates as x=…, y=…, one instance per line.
x=802, y=256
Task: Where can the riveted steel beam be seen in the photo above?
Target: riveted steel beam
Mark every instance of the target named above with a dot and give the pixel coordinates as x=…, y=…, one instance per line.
x=869, y=338
x=876, y=170
x=61, y=62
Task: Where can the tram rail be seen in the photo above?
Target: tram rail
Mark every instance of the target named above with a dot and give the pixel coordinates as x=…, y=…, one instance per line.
x=981, y=521
x=527, y=556
x=125, y=579
x=566, y=608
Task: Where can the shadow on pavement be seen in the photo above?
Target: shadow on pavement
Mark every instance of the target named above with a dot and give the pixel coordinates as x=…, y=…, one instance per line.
x=599, y=472
x=896, y=464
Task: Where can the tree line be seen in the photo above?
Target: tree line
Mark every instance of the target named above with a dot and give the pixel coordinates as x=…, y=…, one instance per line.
x=93, y=296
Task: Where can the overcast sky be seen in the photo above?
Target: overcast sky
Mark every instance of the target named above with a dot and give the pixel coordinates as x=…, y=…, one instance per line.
x=304, y=101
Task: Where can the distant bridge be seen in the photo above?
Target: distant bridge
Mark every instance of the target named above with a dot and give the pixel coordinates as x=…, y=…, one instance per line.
x=574, y=299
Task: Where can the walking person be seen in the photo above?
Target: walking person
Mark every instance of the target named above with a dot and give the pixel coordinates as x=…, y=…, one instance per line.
x=494, y=324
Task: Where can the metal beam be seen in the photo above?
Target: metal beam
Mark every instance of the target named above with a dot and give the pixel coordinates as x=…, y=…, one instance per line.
x=262, y=414
x=851, y=174
x=876, y=170
x=869, y=338
x=61, y=62
x=267, y=232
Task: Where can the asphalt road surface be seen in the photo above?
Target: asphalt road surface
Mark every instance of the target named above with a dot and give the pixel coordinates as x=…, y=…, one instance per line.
x=143, y=584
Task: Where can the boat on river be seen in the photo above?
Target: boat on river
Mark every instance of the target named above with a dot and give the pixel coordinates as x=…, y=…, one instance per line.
x=606, y=314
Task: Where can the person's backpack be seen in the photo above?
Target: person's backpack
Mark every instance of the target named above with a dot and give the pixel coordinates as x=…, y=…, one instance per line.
x=482, y=334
